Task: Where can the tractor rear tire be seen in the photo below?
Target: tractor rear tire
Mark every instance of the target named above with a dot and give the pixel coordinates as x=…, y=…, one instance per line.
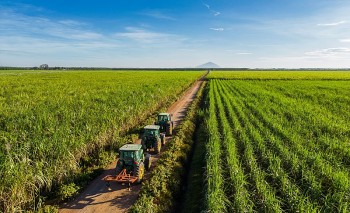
x=157, y=146
x=139, y=171
x=162, y=138
x=148, y=162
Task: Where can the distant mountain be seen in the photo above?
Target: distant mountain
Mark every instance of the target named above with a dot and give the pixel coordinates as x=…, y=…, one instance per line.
x=209, y=65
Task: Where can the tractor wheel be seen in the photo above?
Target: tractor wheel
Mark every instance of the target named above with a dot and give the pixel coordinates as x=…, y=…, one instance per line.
x=157, y=146
x=162, y=139
x=172, y=128
x=169, y=129
x=139, y=171
x=148, y=162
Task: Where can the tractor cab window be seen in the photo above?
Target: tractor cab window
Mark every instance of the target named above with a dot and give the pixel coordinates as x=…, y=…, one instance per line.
x=128, y=154
x=149, y=132
x=163, y=118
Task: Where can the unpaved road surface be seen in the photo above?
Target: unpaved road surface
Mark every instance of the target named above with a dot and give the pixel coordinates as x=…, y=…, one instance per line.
x=98, y=198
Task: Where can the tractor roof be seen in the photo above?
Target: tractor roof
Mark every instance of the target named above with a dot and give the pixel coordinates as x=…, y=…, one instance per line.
x=130, y=147
x=152, y=127
x=164, y=113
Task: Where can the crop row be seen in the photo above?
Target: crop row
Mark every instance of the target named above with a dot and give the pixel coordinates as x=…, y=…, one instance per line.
x=49, y=121
x=278, y=146
x=280, y=75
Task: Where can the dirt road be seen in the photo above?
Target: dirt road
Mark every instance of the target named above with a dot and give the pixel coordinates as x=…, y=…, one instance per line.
x=98, y=198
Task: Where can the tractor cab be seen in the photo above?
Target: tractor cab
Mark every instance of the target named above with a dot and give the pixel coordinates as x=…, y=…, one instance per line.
x=151, y=131
x=129, y=156
x=164, y=117
x=152, y=138
x=131, y=165
x=165, y=122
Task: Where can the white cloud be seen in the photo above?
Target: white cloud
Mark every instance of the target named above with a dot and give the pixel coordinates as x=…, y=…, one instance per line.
x=146, y=36
x=187, y=49
x=301, y=62
x=71, y=23
x=244, y=53
x=217, y=29
x=159, y=15
x=18, y=24
x=346, y=40
x=238, y=52
x=214, y=12
x=323, y=26
x=328, y=52
x=44, y=46
x=20, y=7
x=333, y=24
x=31, y=40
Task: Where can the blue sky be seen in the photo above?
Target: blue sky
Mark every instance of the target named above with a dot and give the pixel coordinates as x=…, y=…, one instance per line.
x=175, y=33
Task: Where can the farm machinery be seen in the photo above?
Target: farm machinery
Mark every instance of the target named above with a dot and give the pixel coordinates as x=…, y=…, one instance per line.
x=152, y=138
x=132, y=161
x=165, y=123
x=131, y=165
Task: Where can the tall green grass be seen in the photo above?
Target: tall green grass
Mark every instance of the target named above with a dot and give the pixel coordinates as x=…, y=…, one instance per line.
x=280, y=145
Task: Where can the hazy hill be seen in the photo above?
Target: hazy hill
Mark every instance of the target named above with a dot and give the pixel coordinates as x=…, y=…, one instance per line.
x=208, y=65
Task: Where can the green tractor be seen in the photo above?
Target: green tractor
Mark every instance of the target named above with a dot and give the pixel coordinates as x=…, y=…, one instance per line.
x=131, y=164
x=152, y=138
x=165, y=123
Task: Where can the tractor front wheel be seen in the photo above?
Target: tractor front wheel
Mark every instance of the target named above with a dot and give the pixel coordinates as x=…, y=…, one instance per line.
x=148, y=162
x=169, y=129
x=162, y=138
x=139, y=171
x=157, y=146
